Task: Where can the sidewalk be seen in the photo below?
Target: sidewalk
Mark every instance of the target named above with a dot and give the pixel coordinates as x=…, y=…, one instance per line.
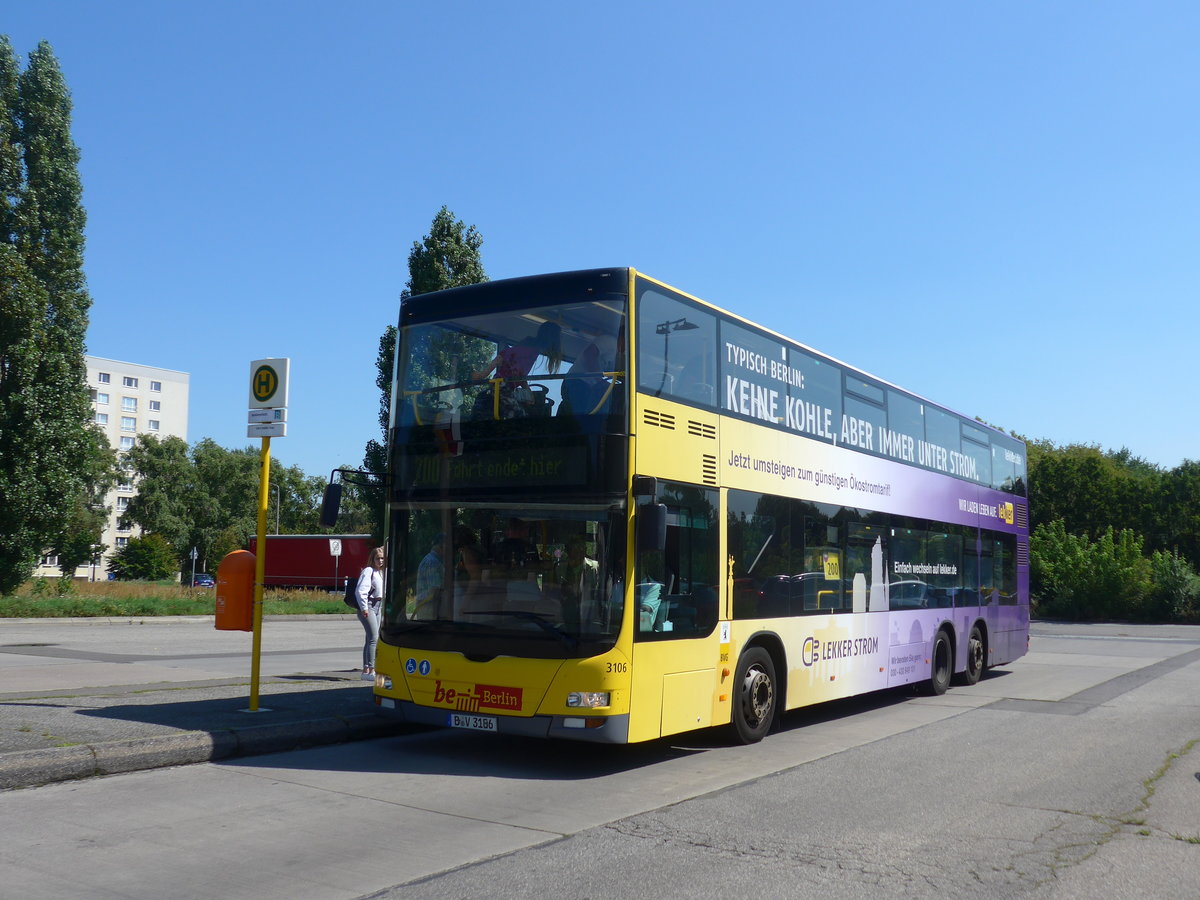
x=98, y=711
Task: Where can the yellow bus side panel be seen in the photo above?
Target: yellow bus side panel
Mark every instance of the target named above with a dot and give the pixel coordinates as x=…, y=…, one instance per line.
x=674, y=683
x=687, y=701
x=676, y=442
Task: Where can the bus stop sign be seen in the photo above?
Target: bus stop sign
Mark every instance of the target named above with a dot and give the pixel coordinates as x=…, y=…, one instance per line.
x=269, y=383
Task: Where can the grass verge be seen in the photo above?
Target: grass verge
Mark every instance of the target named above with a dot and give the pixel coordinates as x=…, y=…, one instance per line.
x=52, y=598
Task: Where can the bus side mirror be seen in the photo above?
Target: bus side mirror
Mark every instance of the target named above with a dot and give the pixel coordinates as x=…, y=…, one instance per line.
x=652, y=527
x=330, y=504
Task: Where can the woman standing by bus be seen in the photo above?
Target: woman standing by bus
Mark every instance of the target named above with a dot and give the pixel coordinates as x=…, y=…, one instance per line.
x=369, y=592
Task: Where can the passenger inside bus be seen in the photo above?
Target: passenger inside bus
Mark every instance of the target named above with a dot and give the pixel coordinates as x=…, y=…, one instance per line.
x=584, y=388
x=516, y=550
x=430, y=578
x=578, y=578
x=651, y=591
x=468, y=568
x=511, y=366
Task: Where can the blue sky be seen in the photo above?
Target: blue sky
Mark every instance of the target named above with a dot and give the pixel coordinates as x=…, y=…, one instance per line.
x=994, y=205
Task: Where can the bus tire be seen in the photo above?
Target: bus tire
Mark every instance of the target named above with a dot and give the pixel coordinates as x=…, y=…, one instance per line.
x=754, y=702
x=975, y=658
x=941, y=664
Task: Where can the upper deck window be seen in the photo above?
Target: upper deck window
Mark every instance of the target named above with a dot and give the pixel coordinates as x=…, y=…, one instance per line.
x=675, y=343
x=700, y=356
x=561, y=358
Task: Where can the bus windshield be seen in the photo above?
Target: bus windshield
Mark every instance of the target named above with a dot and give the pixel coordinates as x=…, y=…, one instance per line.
x=506, y=581
x=563, y=359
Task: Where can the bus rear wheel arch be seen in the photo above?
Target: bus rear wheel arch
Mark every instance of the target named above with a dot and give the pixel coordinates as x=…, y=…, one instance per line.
x=756, y=695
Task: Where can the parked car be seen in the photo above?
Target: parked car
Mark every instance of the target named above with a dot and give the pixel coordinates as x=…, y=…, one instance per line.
x=203, y=580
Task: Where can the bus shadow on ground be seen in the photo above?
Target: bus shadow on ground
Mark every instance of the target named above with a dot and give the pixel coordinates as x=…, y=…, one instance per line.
x=311, y=736
x=427, y=750
x=441, y=751
x=819, y=713
x=225, y=713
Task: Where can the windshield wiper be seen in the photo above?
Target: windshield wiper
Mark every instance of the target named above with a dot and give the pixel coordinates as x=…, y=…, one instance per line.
x=540, y=620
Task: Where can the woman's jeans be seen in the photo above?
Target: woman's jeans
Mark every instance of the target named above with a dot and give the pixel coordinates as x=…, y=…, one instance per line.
x=370, y=624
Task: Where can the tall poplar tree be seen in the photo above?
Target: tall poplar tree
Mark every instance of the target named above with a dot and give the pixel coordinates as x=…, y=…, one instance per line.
x=447, y=257
x=45, y=447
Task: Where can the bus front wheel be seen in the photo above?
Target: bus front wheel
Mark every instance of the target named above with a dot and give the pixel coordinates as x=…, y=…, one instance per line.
x=754, y=704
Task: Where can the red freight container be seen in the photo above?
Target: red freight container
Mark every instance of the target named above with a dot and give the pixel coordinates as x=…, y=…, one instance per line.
x=306, y=561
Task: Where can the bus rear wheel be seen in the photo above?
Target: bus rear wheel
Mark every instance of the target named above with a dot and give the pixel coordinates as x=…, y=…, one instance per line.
x=941, y=664
x=754, y=703
x=974, y=667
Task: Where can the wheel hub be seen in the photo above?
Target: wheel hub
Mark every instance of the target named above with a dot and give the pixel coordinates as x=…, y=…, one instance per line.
x=757, y=695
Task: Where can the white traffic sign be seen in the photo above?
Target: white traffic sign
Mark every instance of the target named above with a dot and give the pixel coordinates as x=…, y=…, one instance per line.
x=269, y=383
x=266, y=429
x=266, y=415
x=335, y=547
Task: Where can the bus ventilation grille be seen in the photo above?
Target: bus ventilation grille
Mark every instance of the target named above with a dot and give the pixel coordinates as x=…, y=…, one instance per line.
x=1022, y=515
x=1022, y=553
x=662, y=420
x=699, y=429
x=708, y=465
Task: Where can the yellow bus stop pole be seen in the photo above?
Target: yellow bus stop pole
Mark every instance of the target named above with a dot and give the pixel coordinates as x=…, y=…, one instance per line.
x=260, y=559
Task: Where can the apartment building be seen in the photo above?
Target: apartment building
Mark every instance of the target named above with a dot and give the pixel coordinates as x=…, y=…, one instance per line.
x=128, y=399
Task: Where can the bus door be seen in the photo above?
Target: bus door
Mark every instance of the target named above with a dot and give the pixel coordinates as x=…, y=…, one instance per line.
x=676, y=651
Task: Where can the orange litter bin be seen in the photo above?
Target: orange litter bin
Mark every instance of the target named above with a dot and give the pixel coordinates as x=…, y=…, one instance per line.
x=235, y=592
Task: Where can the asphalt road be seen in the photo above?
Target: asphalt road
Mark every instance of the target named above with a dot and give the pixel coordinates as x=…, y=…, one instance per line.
x=1074, y=772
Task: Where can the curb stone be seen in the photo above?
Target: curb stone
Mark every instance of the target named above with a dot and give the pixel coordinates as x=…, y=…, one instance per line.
x=31, y=768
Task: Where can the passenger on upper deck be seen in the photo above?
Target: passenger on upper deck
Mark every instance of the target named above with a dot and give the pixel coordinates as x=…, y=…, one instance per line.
x=513, y=364
x=584, y=385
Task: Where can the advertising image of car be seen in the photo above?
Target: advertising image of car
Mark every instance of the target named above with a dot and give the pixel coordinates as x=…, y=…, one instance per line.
x=917, y=595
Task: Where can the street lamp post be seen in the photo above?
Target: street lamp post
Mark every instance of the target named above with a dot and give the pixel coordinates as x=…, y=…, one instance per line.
x=665, y=329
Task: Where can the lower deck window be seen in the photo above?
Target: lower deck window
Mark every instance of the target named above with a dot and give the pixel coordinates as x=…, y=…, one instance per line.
x=793, y=558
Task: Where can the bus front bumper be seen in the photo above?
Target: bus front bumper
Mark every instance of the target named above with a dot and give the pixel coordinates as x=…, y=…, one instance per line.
x=596, y=729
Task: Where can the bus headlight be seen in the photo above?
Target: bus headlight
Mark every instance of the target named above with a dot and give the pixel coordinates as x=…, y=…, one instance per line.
x=590, y=699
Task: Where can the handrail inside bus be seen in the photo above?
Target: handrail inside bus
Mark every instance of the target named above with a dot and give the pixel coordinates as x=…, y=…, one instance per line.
x=613, y=378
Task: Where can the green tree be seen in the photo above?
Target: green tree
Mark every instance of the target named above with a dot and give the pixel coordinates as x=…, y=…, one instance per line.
x=149, y=557
x=1175, y=593
x=11, y=177
x=1074, y=577
x=168, y=494
x=225, y=543
x=447, y=257
x=44, y=409
x=207, y=497
x=1177, y=511
x=79, y=542
x=1088, y=490
x=227, y=488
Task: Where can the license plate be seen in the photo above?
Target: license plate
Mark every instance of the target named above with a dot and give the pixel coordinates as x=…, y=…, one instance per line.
x=476, y=723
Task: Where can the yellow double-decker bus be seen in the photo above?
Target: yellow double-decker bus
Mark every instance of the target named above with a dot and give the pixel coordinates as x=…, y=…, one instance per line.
x=617, y=512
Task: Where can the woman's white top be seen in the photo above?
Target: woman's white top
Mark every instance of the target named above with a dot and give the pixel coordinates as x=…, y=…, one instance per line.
x=369, y=590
